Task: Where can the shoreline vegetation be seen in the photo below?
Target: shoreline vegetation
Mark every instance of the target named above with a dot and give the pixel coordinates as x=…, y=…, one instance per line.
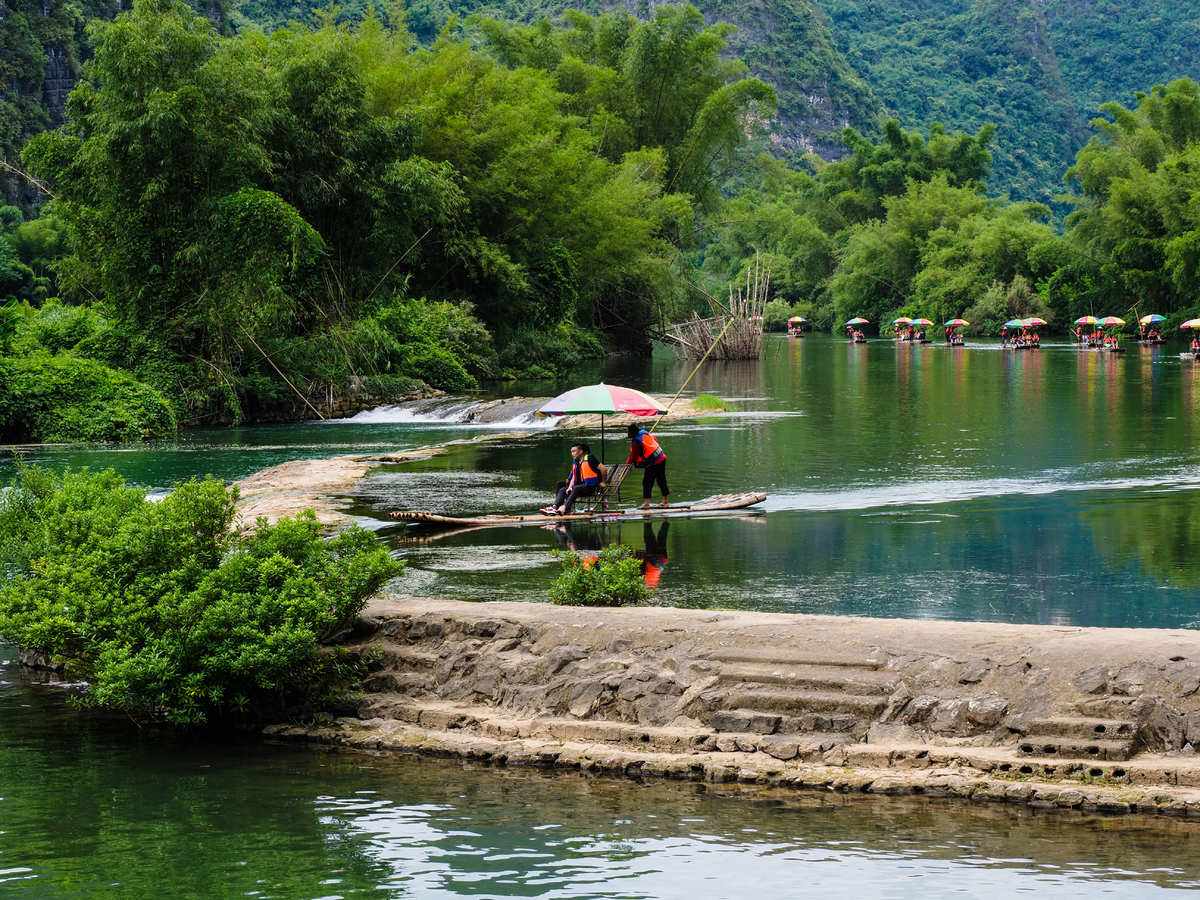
x=171, y=614
x=259, y=226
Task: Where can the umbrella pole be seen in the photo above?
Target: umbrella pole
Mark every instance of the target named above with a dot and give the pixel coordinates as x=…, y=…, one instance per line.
x=602, y=439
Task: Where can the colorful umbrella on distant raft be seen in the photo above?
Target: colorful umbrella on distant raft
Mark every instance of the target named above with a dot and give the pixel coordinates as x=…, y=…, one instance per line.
x=925, y=322
x=602, y=400
x=1087, y=320
x=1191, y=323
x=1151, y=319
x=1033, y=322
x=1013, y=323
x=859, y=320
x=903, y=320
x=1112, y=322
x=957, y=323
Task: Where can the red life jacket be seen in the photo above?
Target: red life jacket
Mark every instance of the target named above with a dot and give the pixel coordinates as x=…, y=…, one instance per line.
x=653, y=572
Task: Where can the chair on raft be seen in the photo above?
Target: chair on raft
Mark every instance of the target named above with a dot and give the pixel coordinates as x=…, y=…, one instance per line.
x=610, y=489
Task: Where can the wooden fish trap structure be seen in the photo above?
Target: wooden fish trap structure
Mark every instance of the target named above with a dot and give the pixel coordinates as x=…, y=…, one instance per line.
x=735, y=330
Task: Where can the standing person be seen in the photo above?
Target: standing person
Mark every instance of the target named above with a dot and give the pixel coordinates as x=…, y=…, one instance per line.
x=582, y=481
x=647, y=455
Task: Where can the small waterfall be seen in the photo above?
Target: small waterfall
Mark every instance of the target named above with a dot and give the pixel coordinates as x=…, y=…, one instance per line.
x=517, y=412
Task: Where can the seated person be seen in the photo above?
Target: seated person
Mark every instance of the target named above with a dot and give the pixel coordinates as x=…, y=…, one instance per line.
x=583, y=480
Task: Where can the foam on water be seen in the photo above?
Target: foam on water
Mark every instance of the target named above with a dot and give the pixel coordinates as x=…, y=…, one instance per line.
x=452, y=413
x=927, y=492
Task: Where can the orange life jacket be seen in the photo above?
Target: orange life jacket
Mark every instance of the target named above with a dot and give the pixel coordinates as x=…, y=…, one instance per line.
x=652, y=574
x=651, y=451
x=585, y=472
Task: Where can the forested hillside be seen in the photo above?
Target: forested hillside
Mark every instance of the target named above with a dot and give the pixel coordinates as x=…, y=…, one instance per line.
x=42, y=46
x=1037, y=69
x=248, y=225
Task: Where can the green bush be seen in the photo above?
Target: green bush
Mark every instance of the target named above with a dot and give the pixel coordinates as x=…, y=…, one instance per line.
x=168, y=612
x=439, y=367
x=778, y=311
x=538, y=353
x=65, y=398
x=709, y=402
x=614, y=578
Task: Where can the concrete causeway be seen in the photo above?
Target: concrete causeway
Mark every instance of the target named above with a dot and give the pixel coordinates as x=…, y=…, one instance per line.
x=1102, y=719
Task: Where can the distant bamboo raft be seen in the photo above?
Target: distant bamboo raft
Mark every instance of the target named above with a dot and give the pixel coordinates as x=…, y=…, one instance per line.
x=735, y=331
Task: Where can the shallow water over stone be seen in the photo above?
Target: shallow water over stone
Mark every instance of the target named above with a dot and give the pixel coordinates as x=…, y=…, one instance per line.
x=93, y=809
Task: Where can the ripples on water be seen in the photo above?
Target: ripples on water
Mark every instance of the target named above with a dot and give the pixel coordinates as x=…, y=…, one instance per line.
x=91, y=809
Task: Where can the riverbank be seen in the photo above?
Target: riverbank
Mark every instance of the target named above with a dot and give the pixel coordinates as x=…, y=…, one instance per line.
x=323, y=484
x=1096, y=719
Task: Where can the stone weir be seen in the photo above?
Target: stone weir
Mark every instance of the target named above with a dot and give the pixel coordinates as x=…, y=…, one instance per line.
x=1052, y=716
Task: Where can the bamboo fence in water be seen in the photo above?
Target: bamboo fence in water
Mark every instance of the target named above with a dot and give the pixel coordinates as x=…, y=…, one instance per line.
x=735, y=330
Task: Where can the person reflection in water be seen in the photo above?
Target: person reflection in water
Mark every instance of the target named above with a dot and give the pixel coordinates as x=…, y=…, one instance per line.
x=585, y=544
x=654, y=557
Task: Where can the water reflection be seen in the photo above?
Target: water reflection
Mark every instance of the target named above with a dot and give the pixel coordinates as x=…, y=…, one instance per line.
x=587, y=541
x=953, y=482
x=93, y=809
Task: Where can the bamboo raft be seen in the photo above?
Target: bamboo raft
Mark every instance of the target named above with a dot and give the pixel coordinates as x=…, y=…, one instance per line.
x=715, y=504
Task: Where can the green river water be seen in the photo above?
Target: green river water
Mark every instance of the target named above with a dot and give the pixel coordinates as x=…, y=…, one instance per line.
x=89, y=809
x=1052, y=486
x=1055, y=486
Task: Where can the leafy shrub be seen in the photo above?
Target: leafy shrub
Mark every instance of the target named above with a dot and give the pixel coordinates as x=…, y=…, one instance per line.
x=170, y=614
x=440, y=343
x=1001, y=302
x=439, y=367
x=614, y=578
x=65, y=398
x=545, y=353
x=709, y=402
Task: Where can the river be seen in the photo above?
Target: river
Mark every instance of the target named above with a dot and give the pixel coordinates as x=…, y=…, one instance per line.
x=92, y=809
x=1056, y=487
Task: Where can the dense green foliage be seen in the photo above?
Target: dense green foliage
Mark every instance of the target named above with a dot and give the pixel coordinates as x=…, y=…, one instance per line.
x=903, y=226
x=57, y=383
x=266, y=216
x=65, y=398
x=250, y=225
x=1035, y=70
x=896, y=222
x=168, y=612
x=1137, y=211
x=611, y=578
